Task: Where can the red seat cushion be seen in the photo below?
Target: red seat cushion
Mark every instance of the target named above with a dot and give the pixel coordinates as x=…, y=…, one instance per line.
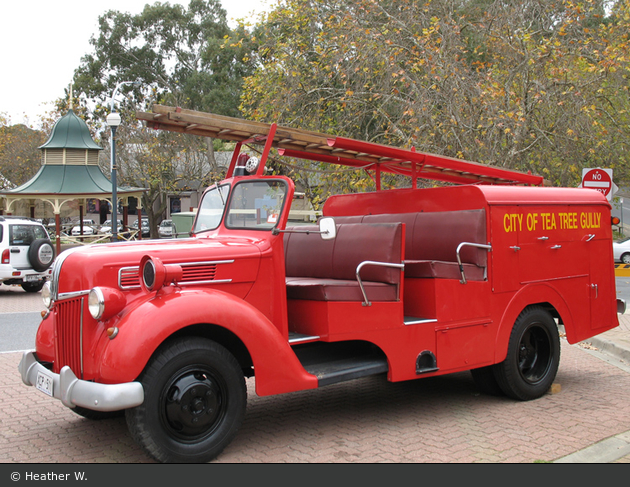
x=338, y=290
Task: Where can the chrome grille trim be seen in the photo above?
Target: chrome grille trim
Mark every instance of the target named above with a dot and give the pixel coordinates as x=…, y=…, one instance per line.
x=56, y=270
x=71, y=295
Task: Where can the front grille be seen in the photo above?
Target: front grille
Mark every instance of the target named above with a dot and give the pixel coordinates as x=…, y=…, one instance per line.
x=68, y=334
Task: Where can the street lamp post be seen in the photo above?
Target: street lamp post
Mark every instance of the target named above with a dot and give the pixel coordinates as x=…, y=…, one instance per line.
x=114, y=120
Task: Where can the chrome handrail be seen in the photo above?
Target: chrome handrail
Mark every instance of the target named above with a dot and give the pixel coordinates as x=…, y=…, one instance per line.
x=459, y=260
x=366, y=302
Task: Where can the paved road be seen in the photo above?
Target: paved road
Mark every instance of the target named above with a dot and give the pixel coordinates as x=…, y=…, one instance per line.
x=369, y=420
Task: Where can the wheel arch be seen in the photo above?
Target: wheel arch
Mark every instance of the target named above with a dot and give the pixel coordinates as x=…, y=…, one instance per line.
x=221, y=335
x=239, y=327
x=542, y=295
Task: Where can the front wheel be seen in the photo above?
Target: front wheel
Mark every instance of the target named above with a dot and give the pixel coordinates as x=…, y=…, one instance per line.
x=625, y=258
x=533, y=356
x=194, y=402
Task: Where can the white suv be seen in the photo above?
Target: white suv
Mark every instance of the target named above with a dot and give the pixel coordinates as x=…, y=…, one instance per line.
x=26, y=253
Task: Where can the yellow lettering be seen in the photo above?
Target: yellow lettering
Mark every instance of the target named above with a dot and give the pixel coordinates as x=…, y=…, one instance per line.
x=590, y=220
x=532, y=220
x=512, y=222
x=548, y=221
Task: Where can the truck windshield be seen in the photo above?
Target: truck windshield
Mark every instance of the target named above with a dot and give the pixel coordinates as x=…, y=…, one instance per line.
x=211, y=208
x=256, y=204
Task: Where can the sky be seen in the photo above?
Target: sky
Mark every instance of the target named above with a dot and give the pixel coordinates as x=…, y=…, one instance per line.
x=42, y=42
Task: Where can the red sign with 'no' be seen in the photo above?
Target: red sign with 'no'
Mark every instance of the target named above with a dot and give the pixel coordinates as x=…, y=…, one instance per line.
x=598, y=179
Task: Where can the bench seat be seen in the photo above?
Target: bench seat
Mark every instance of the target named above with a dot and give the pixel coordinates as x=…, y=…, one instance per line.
x=432, y=239
x=325, y=270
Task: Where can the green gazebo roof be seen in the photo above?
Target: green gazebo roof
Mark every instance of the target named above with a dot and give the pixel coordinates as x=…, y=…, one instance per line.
x=70, y=132
x=70, y=167
x=69, y=180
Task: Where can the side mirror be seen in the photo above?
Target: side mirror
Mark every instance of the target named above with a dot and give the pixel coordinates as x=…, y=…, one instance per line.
x=327, y=228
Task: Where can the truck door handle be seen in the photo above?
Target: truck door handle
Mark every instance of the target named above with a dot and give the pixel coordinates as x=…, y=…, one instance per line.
x=556, y=247
x=594, y=286
x=543, y=238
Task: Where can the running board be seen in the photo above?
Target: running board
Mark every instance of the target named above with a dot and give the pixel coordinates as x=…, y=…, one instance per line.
x=338, y=362
x=410, y=320
x=295, y=338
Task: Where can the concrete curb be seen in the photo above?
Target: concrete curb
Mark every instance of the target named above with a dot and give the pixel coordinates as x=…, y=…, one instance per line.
x=610, y=348
x=605, y=451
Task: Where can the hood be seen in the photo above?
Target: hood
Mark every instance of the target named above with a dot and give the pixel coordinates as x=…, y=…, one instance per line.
x=79, y=268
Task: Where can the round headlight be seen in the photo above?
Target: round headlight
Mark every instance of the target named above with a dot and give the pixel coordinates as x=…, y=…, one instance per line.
x=96, y=303
x=148, y=274
x=47, y=294
x=155, y=274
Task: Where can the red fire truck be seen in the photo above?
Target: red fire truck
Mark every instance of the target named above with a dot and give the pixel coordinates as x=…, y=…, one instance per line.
x=476, y=274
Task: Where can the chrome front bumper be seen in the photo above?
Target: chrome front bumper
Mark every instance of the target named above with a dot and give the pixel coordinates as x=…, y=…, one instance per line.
x=76, y=392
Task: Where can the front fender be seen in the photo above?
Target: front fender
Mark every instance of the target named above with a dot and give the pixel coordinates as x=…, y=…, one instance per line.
x=148, y=325
x=530, y=294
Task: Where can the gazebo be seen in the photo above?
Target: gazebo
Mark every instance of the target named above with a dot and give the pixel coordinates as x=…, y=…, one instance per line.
x=69, y=172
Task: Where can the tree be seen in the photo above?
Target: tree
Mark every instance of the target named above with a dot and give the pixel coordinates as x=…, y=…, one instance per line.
x=20, y=157
x=526, y=85
x=187, y=57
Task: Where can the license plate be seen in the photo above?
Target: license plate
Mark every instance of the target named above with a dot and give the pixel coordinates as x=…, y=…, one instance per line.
x=44, y=383
x=31, y=278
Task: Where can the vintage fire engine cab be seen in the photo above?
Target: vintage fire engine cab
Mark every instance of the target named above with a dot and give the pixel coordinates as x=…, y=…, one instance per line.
x=410, y=283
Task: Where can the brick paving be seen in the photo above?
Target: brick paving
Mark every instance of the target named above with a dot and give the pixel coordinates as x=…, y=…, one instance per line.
x=435, y=420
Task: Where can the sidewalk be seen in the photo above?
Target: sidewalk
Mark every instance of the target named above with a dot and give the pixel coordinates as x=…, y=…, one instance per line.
x=615, y=344
x=586, y=423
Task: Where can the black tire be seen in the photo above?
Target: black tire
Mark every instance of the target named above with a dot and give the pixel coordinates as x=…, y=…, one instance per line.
x=625, y=258
x=97, y=415
x=41, y=254
x=486, y=381
x=33, y=287
x=533, y=356
x=194, y=402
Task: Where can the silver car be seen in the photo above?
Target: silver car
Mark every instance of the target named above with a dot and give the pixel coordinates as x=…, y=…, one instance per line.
x=621, y=250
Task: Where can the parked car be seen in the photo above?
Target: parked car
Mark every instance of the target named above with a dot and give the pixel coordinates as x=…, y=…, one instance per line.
x=621, y=250
x=26, y=253
x=107, y=227
x=88, y=228
x=167, y=229
x=146, y=230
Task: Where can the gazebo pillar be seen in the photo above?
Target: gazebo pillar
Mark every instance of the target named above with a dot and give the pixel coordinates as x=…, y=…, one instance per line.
x=81, y=218
x=58, y=232
x=125, y=215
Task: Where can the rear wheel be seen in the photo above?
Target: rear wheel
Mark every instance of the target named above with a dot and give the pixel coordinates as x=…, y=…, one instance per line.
x=486, y=381
x=625, y=258
x=194, y=403
x=533, y=356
